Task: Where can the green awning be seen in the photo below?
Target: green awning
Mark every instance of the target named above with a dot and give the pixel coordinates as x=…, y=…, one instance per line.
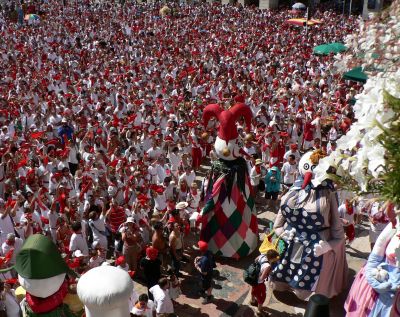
x=356, y=74
x=373, y=55
x=326, y=49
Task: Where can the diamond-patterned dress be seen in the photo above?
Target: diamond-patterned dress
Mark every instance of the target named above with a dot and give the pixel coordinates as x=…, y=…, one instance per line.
x=229, y=218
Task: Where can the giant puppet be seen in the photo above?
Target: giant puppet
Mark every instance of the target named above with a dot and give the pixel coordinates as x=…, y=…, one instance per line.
x=375, y=290
x=229, y=221
x=45, y=276
x=106, y=292
x=314, y=259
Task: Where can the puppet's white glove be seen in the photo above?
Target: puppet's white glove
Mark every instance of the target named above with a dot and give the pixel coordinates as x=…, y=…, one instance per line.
x=288, y=235
x=321, y=248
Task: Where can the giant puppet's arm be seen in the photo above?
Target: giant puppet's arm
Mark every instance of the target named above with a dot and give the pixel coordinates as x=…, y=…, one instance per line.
x=279, y=224
x=376, y=257
x=245, y=154
x=279, y=227
x=336, y=237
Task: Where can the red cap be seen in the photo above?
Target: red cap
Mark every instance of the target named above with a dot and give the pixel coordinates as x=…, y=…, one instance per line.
x=203, y=246
x=142, y=222
x=73, y=264
x=119, y=260
x=239, y=99
x=151, y=253
x=11, y=281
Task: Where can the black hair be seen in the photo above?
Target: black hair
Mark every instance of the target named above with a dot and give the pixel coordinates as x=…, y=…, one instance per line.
x=158, y=225
x=162, y=282
x=143, y=298
x=76, y=226
x=272, y=254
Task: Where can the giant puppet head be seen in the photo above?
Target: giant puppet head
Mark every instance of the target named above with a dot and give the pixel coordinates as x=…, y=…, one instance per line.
x=227, y=144
x=42, y=272
x=307, y=164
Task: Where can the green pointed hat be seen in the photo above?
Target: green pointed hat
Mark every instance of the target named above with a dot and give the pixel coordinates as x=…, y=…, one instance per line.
x=39, y=258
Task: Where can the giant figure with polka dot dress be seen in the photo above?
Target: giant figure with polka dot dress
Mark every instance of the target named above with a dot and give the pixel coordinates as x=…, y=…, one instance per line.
x=314, y=259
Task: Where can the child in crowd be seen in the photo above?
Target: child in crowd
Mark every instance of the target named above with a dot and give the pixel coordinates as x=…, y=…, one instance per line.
x=347, y=213
x=259, y=291
x=144, y=307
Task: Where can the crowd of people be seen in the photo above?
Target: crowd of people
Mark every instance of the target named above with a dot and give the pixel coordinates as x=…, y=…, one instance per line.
x=101, y=135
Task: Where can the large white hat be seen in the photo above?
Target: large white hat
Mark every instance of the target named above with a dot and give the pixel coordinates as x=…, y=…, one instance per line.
x=105, y=292
x=181, y=205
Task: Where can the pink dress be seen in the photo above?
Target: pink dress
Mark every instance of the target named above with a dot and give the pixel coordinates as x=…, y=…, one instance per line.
x=361, y=298
x=396, y=307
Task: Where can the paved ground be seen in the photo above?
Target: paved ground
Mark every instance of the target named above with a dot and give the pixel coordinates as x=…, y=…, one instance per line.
x=232, y=294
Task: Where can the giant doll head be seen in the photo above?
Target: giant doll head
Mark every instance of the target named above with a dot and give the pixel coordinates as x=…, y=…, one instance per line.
x=40, y=267
x=228, y=144
x=308, y=163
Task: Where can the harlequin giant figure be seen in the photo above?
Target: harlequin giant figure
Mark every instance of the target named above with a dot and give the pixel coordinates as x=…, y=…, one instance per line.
x=229, y=222
x=314, y=260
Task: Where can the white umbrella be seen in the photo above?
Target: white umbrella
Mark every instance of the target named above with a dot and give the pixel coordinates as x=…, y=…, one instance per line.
x=299, y=6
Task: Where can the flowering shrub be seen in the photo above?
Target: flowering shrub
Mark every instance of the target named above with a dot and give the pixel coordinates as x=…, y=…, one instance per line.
x=367, y=158
x=376, y=45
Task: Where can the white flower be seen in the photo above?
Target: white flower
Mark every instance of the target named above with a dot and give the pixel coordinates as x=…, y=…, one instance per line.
x=350, y=140
x=376, y=163
x=371, y=112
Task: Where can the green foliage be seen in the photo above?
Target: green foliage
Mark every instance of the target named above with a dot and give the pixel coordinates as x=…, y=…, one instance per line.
x=389, y=185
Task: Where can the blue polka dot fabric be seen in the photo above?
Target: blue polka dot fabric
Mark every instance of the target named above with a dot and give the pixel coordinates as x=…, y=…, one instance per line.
x=299, y=267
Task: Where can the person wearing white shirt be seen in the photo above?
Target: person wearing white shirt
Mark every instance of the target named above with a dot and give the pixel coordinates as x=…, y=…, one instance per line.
x=162, y=300
x=44, y=172
x=293, y=151
x=11, y=243
x=154, y=152
x=161, y=171
x=6, y=223
x=189, y=176
x=289, y=171
x=152, y=170
x=317, y=127
x=249, y=148
x=144, y=307
x=78, y=242
x=174, y=161
x=255, y=173
x=12, y=307
x=98, y=226
x=160, y=202
x=72, y=158
x=332, y=134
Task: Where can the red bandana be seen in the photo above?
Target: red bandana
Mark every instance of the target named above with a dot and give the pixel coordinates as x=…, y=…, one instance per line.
x=44, y=305
x=349, y=207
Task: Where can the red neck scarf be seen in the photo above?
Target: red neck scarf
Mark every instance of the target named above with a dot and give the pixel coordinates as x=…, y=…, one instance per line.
x=349, y=207
x=44, y=305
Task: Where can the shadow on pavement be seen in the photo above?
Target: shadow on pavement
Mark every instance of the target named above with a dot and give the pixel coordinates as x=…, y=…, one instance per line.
x=275, y=313
x=290, y=299
x=184, y=310
x=356, y=253
x=232, y=308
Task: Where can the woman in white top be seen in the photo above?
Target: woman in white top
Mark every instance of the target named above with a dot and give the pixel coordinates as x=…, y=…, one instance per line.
x=98, y=226
x=175, y=161
x=10, y=301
